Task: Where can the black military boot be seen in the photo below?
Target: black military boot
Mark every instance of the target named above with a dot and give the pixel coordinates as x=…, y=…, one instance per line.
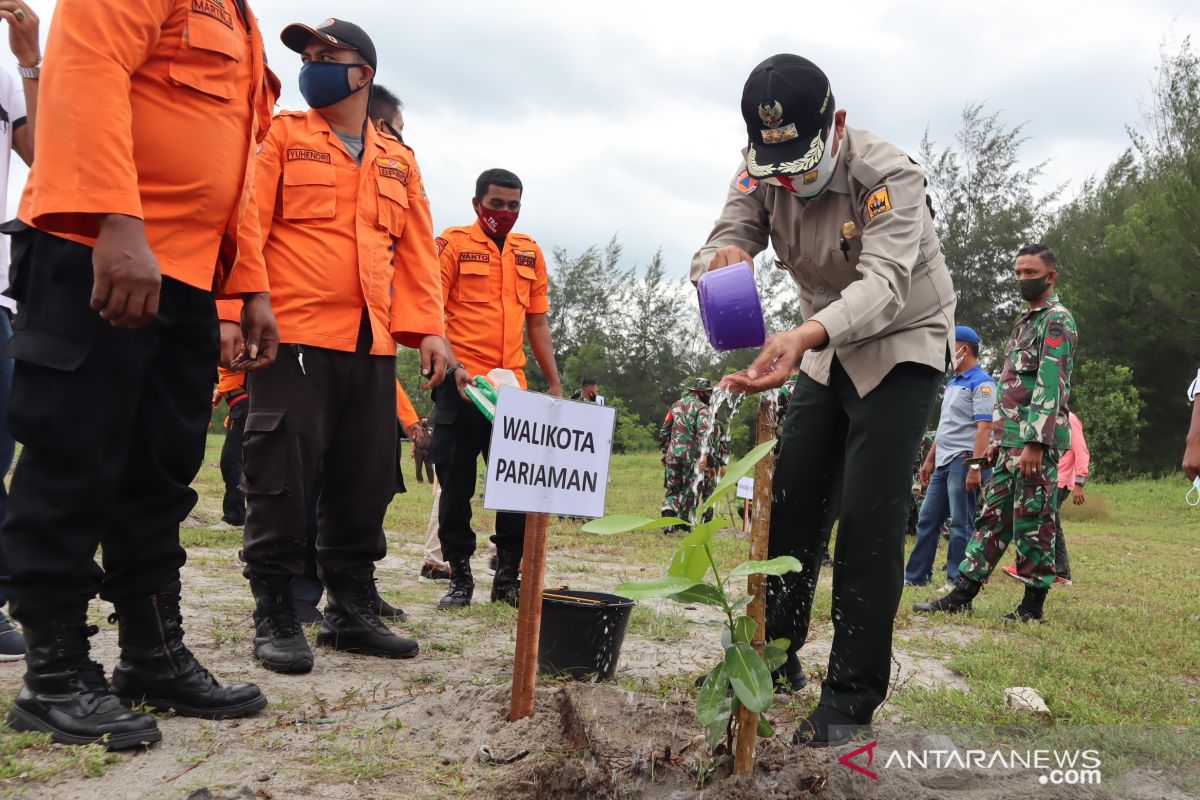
x=351, y=625
x=382, y=608
x=65, y=692
x=791, y=675
x=1030, y=609
x=957, y=601
x=157, y=669
x=279, y=643
x=506, y=585
x=462, y=585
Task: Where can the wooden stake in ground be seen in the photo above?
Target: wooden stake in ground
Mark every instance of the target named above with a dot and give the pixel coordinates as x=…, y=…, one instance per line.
x=529, y=616
x=756, y=585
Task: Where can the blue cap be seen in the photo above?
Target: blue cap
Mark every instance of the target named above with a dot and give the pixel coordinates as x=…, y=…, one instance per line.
x=964, y=334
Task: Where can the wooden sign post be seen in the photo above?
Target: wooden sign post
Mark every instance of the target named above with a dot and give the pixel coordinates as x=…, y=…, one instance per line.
x=548, y=456
x=756, y=585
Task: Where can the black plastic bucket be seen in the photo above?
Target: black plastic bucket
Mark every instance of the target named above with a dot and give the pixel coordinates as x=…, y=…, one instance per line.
x=582, y=640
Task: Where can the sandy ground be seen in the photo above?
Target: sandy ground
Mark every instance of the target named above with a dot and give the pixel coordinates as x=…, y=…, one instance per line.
x=435, y=726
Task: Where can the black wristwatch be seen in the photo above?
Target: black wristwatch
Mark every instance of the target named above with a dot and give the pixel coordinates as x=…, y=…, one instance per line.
x=450, y=372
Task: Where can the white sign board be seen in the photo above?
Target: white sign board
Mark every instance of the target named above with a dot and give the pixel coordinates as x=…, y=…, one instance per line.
x=548, y=455
x=745, y=488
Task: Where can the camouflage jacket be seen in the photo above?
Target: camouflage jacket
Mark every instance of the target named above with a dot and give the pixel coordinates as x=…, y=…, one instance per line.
x=1035, y=385
x=686, y=426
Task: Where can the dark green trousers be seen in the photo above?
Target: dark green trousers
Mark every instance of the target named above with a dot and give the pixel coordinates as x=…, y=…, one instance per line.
x=870, y=442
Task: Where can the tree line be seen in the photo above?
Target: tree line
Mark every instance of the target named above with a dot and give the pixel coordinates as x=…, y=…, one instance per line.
x=1128, y=247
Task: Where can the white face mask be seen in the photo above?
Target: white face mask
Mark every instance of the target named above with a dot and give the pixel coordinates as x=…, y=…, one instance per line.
x=814, y=181
x=959, y=355
x=1192, y=498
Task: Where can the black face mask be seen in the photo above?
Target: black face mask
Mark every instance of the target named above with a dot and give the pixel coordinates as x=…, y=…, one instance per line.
x=1032, y=289
x=393, y=132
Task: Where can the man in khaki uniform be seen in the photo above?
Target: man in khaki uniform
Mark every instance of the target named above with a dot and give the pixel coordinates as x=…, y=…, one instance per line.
x=846, y=213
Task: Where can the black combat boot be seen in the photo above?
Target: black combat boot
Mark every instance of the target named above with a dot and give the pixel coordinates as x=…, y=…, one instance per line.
x=65, y=693
x=351, y=625
x=506, y=585
x=279, y=643
x=462, y=585
x=157, y=669
x=1030, y=609
x=791, y=675
x=956, y=602
x=382, y=608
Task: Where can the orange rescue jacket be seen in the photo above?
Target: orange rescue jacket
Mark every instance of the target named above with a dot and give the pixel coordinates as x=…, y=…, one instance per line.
x=152, y=109
x=336, y=235
x=488, y=294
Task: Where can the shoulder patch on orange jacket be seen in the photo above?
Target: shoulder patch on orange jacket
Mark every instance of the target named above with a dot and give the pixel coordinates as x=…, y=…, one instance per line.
x=441, y=244
x=392, y=168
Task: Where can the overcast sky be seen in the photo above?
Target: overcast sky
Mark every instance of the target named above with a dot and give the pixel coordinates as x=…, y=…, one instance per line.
x=622, y=117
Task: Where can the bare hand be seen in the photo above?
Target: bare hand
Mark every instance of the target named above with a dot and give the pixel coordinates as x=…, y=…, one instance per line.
x=779, y=356
x=926, y=472
x=1191, y=459
x=417, y=434
x=1031, y=461
x=555, y=390
x=433, y=361
x=974, y=480
x=22, y=31
x=728, y=256
x=216, y=398
x=991, y=454
x=461, y=379
x=260, y=333
x=1077, y=494
x=232, y=343
x=126, y=279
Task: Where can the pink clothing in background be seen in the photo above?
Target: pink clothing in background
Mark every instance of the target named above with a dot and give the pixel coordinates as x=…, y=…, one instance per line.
x=1073, y=466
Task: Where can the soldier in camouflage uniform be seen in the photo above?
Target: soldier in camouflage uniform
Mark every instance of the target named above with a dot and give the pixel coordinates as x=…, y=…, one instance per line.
x=1030, y=429
x=680, y=438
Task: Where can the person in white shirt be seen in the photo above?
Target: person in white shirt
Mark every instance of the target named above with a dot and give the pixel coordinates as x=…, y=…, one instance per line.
x=18, y=108
x=1191, y=456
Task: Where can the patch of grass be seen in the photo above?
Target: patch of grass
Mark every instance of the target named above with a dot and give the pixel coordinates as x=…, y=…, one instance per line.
x=658, y=626
x=28, y=758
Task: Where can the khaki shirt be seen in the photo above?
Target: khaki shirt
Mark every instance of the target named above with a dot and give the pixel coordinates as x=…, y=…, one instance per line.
x=887, y=299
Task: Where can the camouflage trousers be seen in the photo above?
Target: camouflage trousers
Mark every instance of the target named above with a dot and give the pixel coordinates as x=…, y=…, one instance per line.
x=679, y=480
x=1015, y=509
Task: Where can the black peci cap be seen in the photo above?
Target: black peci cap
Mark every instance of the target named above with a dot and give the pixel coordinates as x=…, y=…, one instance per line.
x=338, y=33
x=788, y=107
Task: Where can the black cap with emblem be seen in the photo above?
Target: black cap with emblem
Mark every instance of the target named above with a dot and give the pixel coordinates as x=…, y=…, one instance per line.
x=788, y=107
x=338, y=33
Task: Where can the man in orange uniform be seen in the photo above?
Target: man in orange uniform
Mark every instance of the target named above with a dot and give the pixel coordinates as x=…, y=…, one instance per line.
x=346, y=234
x=495, y=288
x=139, y=186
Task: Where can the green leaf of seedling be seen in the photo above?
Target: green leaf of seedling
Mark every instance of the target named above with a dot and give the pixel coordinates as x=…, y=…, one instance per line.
x=774, y=657
x=713, y=695
x=716, y=730
x=740, y=604
x=700, y=593
x=691, y=560
x=781, y=643
x=765, y=729
x=744, y=629
x=735, y=473
x=659, y=587
x=749, y=676
x=776, y=566
x=623, y=523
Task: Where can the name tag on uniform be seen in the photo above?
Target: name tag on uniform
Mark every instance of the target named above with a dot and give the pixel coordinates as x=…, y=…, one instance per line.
x=482, y=258
x=303, y=154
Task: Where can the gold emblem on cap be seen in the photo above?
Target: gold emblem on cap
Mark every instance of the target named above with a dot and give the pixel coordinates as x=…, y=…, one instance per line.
x=771, y=114
x=849, y=229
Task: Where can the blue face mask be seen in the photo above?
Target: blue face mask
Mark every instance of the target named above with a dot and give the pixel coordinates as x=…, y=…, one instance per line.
x=324, y=83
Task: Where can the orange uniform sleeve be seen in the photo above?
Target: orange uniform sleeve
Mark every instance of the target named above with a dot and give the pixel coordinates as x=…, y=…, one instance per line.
x=228, y=381
x=250, y=273
x=405, y=411
x=229, y=310
x=85, y=148
x=448, y=258
x=539, y=293
x=417, y=306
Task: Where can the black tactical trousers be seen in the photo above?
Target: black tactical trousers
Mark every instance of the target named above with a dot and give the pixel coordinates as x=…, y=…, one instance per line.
x=113, y=423
x=233, y=505
x=327, y=412
x=871, y=441
x=460, y=435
